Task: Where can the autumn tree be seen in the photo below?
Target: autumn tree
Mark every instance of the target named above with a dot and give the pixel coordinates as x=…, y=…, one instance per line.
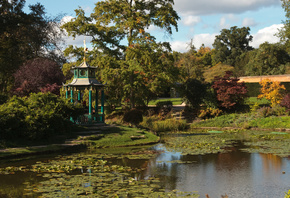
x=24, y=36
x=40, y=74
x=272, y=90
x=229, y=91
x=119, y=31
x=219, y=70
x=230, y=44
x=193, y=62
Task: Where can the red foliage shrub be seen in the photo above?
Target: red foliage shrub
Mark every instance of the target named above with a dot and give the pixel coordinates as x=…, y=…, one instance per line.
x=35, y=75
x=286, y=102
x=229, y=91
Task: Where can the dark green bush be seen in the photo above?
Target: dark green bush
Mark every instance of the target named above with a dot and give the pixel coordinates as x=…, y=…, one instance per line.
x=38, y=116
x=133, y=116
x=3, y=98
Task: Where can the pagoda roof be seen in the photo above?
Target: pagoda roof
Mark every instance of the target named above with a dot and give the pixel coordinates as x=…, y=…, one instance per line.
x=85, y=82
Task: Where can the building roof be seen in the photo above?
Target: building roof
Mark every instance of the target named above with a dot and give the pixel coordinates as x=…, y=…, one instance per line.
x=256, y=79
x=85, y=82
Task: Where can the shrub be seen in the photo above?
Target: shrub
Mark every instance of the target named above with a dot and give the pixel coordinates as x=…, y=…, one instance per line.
x=154, y=124
x=272, y=90
x=264, y=112
x=276, y=110
x=36, y=74
x=230, y=93
x=194, y=92
x=38, y=116
x=133, y=116
x=287, y=194
x=169, y=125
x=209, y=113
x=286, y=101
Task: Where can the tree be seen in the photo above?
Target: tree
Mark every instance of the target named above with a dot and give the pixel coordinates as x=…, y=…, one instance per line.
x=40, y=74
x=229, y=91
x=230, y=44
x=194, y=92
x=268, y=59
x=141, y=65
x=284, y=32
x=272, y=90
x=218, y=70
x=24, y=36
x=193, y=63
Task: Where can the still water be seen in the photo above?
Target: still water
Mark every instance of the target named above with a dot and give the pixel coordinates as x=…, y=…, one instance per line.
x=237, y=174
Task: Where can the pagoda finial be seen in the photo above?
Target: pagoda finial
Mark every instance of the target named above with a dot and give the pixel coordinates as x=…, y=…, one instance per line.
x=85, y=49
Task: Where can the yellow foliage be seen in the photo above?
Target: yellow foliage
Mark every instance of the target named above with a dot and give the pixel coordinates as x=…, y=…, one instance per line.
x=271, y=90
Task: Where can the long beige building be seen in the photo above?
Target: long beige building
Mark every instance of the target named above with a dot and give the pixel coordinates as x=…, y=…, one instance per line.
x=257, y=79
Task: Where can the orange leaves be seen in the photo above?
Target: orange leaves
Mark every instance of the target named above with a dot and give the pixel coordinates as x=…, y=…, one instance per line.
x=271, y=90
x=141, y=31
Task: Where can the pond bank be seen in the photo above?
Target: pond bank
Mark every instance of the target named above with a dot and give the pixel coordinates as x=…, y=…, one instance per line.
x=98, y=136
x=239, y=128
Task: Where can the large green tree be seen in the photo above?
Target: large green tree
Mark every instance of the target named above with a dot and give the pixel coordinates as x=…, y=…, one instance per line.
x=24, y=36
x=268, y=59
x=133, y=64
x=284, y=33
x=230, y=44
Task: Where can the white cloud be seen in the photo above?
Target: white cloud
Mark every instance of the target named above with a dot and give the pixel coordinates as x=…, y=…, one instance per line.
x=223, y=23
x=191, y=20
x=249, y=22
x=208, y=7
x=266, y=34
x=198, y=40
x=179, y=46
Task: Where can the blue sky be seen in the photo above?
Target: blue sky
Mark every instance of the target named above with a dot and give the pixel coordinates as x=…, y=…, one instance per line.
x=200, y=20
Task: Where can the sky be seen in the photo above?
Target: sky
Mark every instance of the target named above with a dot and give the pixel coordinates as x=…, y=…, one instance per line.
x=201, y=20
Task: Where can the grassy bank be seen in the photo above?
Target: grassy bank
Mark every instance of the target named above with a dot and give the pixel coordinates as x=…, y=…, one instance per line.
x=108, y=136
x=119, y=136
x=245, y=121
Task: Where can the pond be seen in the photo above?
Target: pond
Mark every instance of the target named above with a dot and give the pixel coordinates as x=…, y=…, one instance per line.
x=237, y=173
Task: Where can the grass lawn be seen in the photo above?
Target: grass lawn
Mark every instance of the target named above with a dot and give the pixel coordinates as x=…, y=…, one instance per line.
x=261, y=102
x=119, y=136
x=175, y=101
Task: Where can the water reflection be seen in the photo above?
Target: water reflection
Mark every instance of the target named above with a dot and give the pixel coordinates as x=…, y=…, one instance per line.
x=236, y=173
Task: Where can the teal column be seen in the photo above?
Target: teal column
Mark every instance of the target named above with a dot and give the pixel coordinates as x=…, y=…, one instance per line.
x=71, y=95
x=96, y=106
x=72, y=100
x=103, y=105
x=90, y=105
x=79, y=95
x=66, y=93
